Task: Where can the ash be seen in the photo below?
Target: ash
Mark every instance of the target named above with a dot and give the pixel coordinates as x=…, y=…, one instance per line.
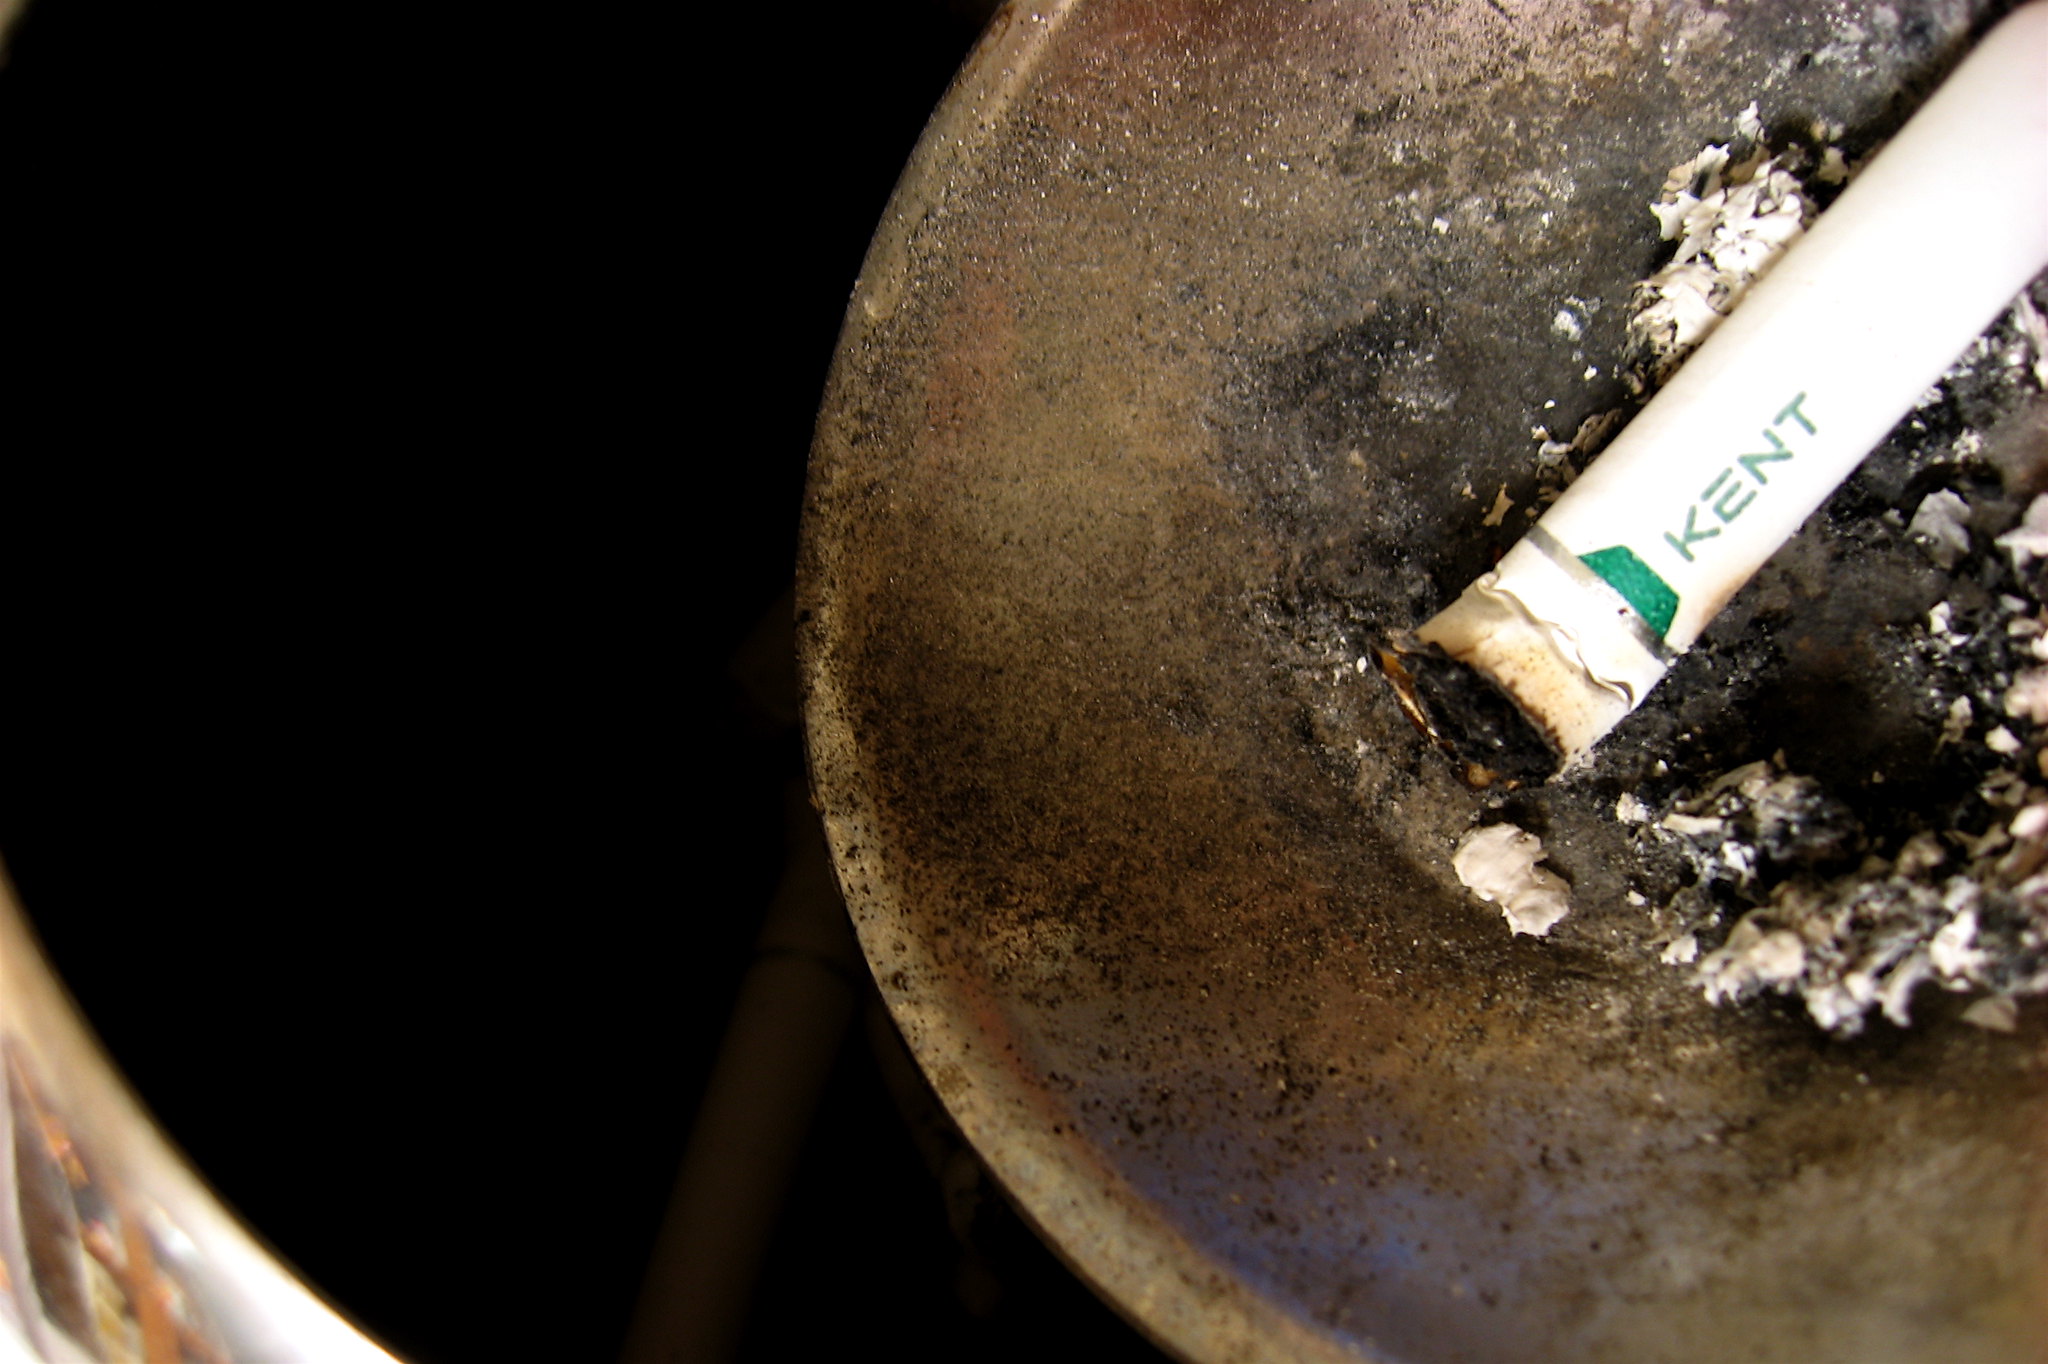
x=1733, y=210
x=1854, y=912
x=1851, y=899
x=1732, y=220
x=1964, y=911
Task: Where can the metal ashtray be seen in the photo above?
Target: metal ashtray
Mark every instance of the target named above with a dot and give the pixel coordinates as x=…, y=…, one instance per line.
x=1195, y=336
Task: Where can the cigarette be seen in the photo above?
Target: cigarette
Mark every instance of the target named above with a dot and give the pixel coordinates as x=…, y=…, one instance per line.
x=1827, y=351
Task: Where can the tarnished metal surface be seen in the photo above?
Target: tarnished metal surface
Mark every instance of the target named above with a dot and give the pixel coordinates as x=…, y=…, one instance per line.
x=1191, y=337
x=110, y=1247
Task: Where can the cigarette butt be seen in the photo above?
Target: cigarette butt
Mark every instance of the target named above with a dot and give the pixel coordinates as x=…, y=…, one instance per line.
x=1824, y=355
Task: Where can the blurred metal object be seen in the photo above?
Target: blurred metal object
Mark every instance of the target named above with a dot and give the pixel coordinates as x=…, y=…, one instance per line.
x=111, y=1249
x=786, y=1030
x=1173, y=300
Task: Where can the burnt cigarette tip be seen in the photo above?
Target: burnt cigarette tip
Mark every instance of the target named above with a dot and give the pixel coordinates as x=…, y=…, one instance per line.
x=1465, y=715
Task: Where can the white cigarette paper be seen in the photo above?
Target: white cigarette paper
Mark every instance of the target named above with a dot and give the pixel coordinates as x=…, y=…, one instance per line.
x=1820, y=360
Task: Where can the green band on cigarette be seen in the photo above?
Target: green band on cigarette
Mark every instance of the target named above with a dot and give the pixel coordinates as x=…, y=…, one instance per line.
x=1638, y=584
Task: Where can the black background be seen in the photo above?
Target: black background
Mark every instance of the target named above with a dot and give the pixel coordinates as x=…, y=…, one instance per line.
x=404, y=419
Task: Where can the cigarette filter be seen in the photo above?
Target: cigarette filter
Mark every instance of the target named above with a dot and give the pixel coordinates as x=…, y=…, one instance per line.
x=1826, y=352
